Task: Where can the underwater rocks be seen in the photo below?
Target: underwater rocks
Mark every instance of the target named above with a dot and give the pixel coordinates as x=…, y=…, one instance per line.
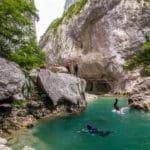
x=28, y=148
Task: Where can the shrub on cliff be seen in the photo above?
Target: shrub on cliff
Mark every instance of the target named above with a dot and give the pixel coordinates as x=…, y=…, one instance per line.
x=17, y=37
x=142, y=58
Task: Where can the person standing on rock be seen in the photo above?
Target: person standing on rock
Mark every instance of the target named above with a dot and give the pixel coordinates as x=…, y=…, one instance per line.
x=76, y=68
x=68, y=68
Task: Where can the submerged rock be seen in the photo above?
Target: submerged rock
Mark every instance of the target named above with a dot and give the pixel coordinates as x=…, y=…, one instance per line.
x=28, y=148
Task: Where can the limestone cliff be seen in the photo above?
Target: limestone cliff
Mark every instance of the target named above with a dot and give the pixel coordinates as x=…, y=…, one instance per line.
x=11, y=79
x=101, y=38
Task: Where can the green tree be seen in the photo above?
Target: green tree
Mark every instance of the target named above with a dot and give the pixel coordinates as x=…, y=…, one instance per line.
x=17, y=37
x=142, y=58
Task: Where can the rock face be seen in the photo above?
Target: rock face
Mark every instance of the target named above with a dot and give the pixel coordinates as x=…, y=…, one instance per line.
x=11, y=79
x=101, y=38
x=63, y=89
x=59, y=69
x=141, y=95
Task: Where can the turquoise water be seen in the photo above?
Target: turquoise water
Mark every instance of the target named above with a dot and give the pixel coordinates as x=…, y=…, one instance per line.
x=131, y=130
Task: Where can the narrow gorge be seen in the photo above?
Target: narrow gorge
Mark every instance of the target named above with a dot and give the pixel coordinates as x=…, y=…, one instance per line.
x=101, y=38
x=110, y=42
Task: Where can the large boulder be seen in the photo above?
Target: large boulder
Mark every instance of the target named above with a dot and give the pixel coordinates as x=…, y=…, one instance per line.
x=141, y=95
x=11, y=79
x=63, y=88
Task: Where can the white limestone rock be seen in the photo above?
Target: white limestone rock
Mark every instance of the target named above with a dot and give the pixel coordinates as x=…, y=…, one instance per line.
x=63, y=87
x=11, y=79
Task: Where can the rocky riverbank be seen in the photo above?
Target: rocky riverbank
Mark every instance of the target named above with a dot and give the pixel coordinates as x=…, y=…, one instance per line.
x=41, y=94
x=90, y=97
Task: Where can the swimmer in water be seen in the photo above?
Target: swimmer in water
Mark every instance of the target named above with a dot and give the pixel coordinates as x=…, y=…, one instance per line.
x=115, y=105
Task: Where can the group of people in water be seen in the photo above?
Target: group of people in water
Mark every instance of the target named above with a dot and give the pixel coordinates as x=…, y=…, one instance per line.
x=94, y=130
x=75, y=68
x=91, y=129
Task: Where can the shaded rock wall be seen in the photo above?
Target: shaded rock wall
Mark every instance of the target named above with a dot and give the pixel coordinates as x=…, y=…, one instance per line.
x=141, y=95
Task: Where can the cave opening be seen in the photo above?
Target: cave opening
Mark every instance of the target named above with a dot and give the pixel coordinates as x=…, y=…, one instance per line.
x=98, y=86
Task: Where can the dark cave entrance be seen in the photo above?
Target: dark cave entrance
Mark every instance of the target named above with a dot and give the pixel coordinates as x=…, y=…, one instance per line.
x=98, y=86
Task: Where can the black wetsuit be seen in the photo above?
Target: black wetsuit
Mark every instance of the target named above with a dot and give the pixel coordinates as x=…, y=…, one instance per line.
x=115, y=104
x=76, y=69
x=96, y=131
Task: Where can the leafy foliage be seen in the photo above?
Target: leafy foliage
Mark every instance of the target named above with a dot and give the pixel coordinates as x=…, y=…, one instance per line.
x=74, y=9
x=28, y=56
x=37, y=94
x=17, y=103
x=142, y=58
x=17, y=38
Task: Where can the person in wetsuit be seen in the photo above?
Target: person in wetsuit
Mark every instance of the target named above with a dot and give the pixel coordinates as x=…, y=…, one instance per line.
x=115, y=105
x=76, y=68
x=92, y=130
x=97, y=131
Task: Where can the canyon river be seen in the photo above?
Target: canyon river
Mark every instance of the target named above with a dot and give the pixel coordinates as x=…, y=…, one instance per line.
x=131, y=129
